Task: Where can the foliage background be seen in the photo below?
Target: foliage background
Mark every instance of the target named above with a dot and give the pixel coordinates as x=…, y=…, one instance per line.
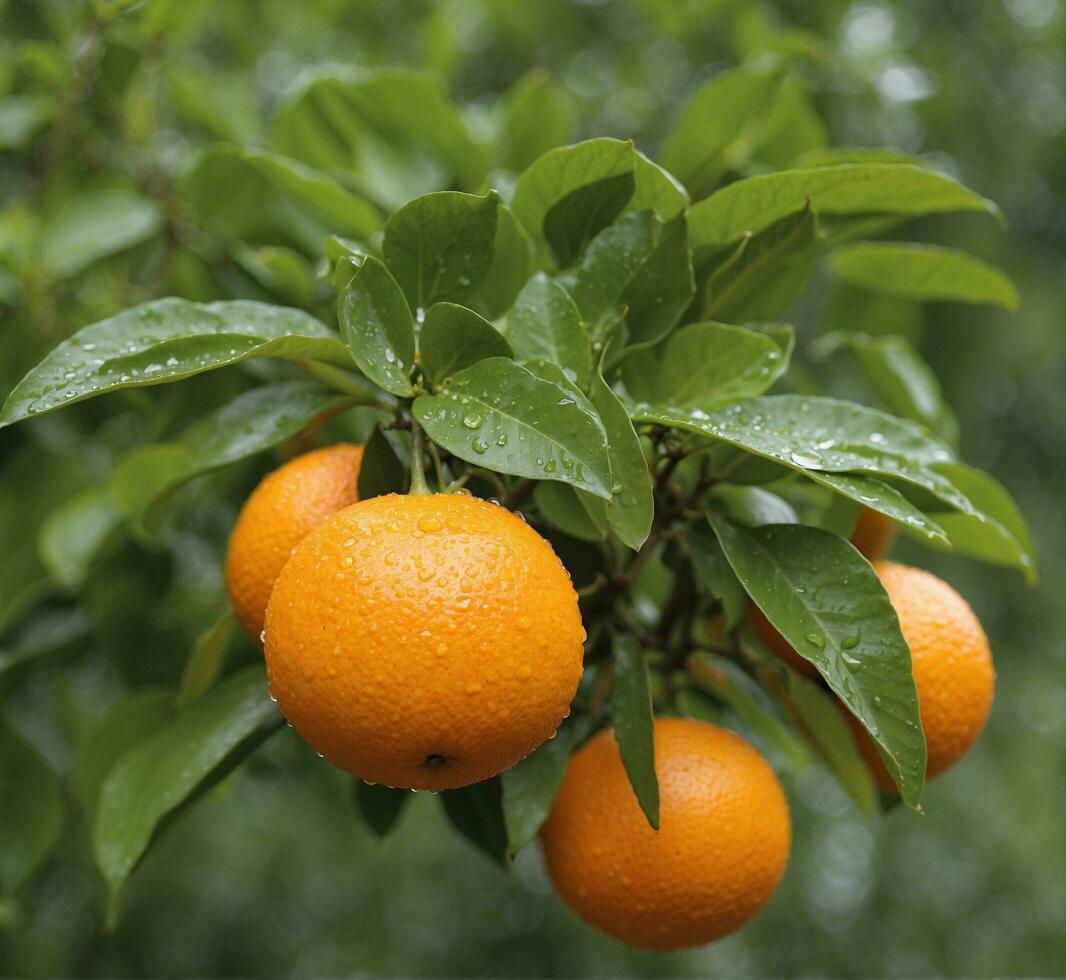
x=272, y=875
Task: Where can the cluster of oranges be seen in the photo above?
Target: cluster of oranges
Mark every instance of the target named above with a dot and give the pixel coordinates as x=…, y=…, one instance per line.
x=432, y=641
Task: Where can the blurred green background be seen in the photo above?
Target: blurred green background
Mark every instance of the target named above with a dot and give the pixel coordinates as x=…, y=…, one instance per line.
x=272, y=875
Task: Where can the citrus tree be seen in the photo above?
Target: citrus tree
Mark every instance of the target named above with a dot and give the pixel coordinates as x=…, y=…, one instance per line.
x=541, y=500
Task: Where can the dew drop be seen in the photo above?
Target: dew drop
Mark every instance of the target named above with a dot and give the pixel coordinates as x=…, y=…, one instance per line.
x=816, y=639
x=806, y=457
x=851, y=640
x=473, y=420
x=479, y=446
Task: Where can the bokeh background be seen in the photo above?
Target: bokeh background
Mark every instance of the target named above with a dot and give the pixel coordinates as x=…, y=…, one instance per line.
x=272, y=874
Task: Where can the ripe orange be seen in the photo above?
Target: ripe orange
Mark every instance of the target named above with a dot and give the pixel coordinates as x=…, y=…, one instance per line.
x=277, y=516
x=424, y=641
x=720, y=851
x=952, y=665
x=873, y=534
x=777, y=644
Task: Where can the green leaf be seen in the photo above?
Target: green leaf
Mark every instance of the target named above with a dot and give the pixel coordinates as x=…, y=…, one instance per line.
x=559, y=172
x=1000, y=534
x=656, y=190
x=579, y=216
x=632, y=505
x=167, y=340
x=33, y=812
x=454, y=338
x=639, y=270
x=847, y=189
x=75, y=531
x=634, y=723
x=501, y=415
x=94, y=224
x=899, y=375
x=380, y=806
x=831, y=736
x=752, y=506
x=171, y=768
x=703, y=364
x=572, y=511
x=923, y=272
x=529, y=789
x=253, y=421
x=716, y=129
x=439, y=246
x=826, y=600
x=512, y=263
x=380, y=471
x=477, y=813
x=126, y=723
x=232, y=188
x=545, y=324
x=21, y=116
x=766, y=273
x=537, y=115
x=377, y=326
x=45, y=633
x=715, y=575
x=823, y=436
x=206, y=661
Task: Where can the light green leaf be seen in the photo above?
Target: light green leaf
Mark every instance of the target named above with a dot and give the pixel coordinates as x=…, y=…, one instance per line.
x=166, y=340
x=454, y=338
x=95, y=224
x=501, y=415
x=512, y=263
x=703, y=364
x=206, y=661
x=21, y=116
x=377, y=325
x=847, y=189
x=74, y=532
x=717, y=127
x=923, y=272
x=529, y=788
x=439, y=246
x=826, y=600
x=766, y=273
x=171, y=768
x=752, y=506
x=656, y=190
x=536, y=115
x=545, y=323
x=634, y=724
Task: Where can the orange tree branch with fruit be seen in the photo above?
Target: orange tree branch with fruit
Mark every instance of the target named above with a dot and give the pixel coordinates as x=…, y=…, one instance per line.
x=583, y=538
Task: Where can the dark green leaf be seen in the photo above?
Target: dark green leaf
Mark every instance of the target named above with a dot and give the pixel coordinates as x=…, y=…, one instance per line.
x=170, y=768
x=253, y=421
x=166, y=340
x=573, y=512
x=377, y=326
x=500, y=415
x=545, y=324
x=125, y=724
x=576, y=218
x=703, y=364
x=826, y=600
x=529, y=789
x=477, y=813
x=206, y=661
x=715, y=574
x=439, y=246
x=766, y=273
x=634, y=724
x=454, y=338
x=716, y=129
x=74, y=533
x=94, y=224
x=923, y=272
x=381, y=470
x=538, y=114
x=873, y=188
x=380, y=806
x=32, y=815
x=631, y=507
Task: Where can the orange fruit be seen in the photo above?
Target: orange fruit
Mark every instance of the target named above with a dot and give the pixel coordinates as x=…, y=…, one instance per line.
x=425, y=642
x=720, y=851
x=873, y=534
x=777, y=644
x=952, y=664
x=282, y=509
